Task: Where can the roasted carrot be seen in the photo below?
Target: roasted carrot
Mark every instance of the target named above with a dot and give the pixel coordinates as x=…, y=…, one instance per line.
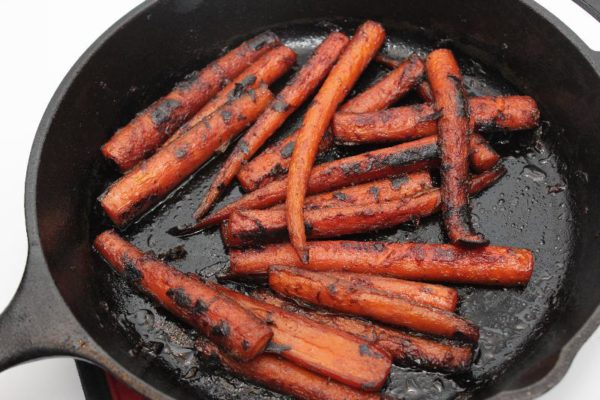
x=405, y=348
x=423, y=87
x=302, y=85
x=267, y=69
x=324, y=290
x=151, y=127
x=379, y=191
x=388, y=90
x=482, y=157
x=321, y=349
x=392, y=161
x=284, y=376
x=360, y=50
x=248, y=227
x=225, y=322
x=453, y=132
x=406, y=123
x=144, y=186
x=274, y=161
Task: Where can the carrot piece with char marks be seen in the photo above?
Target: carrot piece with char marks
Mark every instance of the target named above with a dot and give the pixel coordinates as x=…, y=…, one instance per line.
x=391, y=161
x=151, y=127
x=319, y=348
x=233, y=328
x=266, y=70
x=388, y=90
x=324, y=290
x=248, y=227
x=367, y=39
x=405, y=348
x=423, y=88
x=371, y=192
x=302, y=85
x=284, y=376
x=148, y=183
x=409, y=122
x=453, y=132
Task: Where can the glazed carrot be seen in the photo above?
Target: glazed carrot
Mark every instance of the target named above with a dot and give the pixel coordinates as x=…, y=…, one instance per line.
x=151, y=127
x=423, y=87
x=405, y=348
x=377, y=164
x=360, y=50
x=248, y=227
x=392, y=161
x=438, y=296
x=302, y=85
x=482, y=157
x=274, y=161
x=453, y=132
x=148, y=183
x=284, y=376
x=321, y=289
x=267, y=69
x=406, y=123
x=222, y=320
x=368, y=193
x=321, y=349
x=388, y=90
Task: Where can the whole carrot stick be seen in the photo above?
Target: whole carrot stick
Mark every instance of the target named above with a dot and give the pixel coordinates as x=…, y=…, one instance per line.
x=248, y=227
x=423, y=87
x=377, y=164
x=284, y=376
x=388, y=90
x=302, y=85
x=405, y=348
x=144, y=186
x=368, y=193
x=433, y=295
x=151, y=127
x=274, y=161
x=319, y=348
x=233, y=328
x=321, y=289
x=491, y=265
x=406, y=123
x=360, y=50
x=392, y=161
x=453, y=132
x=267, y=69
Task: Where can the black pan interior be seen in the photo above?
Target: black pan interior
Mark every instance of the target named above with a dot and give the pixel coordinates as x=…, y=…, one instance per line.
x=544, y=203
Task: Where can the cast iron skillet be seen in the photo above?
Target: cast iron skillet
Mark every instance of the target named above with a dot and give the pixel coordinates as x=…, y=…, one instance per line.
x=69, y=304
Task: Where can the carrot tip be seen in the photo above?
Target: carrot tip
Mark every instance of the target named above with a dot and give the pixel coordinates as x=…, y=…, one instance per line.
x=473, y=240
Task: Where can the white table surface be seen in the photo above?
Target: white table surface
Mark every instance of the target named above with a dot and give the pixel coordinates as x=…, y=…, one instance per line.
x=39, y=42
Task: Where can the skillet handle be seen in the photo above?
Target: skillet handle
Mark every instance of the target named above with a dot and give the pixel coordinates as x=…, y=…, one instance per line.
x=591, y=6
x=37, y=323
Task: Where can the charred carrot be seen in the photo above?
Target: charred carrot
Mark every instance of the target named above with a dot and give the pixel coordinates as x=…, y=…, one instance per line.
x=284, y=376
x=267, y=69
x=321, y=349
x=405, y=348
x=273, y=163
x=392, y=161
x=406, y=123
x=144, y=186
x=423, y=87
x=302, y=85
x=222, y=320
x=482, y=157
x=248, y=227
x=151, y=127
x=388, y=90
x=321, y=289
x=379, y=191
x=360, y=50
x=453, y=132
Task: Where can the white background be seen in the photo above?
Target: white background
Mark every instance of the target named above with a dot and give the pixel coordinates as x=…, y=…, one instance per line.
x=39, y=42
